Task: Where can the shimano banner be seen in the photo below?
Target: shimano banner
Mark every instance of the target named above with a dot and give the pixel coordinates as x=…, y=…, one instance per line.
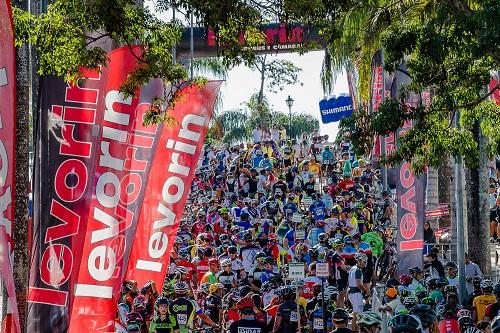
x=334, y=109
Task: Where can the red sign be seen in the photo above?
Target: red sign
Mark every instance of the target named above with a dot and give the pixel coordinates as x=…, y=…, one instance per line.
x=7, y=155
x=437, y=213
x=169, y=184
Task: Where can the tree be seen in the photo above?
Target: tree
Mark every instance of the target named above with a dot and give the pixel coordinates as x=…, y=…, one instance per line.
x=450, y=52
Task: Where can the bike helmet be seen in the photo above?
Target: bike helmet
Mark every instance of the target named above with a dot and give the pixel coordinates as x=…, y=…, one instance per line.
x=183, y=254
x=161, y=300
x=340, y=315
x=224, y=237
x=486, y=284
x=431, y=283
x=348, y=239
x=139, y=302
x=425, y=313
x=465, y=321
x=181, y=270
x=368, y=318
x=404, y=291
x=406, y=323
x=214, y=287
x=422, y=294
x=476, y=281
x=205, y=287
x=167, y=289
x=178, y=240
x=495, y=325
x=360, y=257
x=247, y=236
x=450, y=289
x=415, y=270
x=322, y=237
x=428, y=301
x=332, y=291
x=464, y=312
x=245, y=305
x=287, y=291
x=133, y=327
x=405, y=279
x=181, y=288
x=410, y=301
x=134, y=317
x=260, y=255
x=225, y=262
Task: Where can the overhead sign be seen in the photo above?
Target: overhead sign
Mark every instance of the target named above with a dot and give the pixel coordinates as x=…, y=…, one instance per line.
x=279, y=38
x=334, y=109
x=437, y=213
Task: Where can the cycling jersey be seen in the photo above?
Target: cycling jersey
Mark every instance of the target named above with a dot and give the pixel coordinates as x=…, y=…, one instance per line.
x=184, y=311
x=248, y=326
x=167, y=325
x=316, y=320
x=481, y=302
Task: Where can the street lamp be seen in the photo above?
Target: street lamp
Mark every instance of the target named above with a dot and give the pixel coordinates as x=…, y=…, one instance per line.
x=289, y=102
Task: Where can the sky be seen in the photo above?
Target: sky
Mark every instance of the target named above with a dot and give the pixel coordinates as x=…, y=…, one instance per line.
x=242, y=82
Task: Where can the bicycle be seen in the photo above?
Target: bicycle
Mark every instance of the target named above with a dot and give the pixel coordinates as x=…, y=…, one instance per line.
x=386, y=266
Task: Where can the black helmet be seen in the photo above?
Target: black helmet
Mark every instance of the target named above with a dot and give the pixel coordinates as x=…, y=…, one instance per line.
x=161, y=300
x=425, y=313
x=232, y=249
x=476, y=281
x=406, y=323
x=260, y=254
x=340, y=315
x=247, y=236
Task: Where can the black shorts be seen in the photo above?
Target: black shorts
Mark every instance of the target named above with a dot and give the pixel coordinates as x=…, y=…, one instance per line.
x=341, y=285
x=493, y=215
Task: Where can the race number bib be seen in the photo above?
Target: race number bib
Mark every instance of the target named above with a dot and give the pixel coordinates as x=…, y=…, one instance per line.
x=318, y=324
x=339, y=236
x=294, y=316
x=182, y=319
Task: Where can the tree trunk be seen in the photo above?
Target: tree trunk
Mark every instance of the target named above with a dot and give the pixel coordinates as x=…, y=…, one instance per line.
x=477, y=184
x=24, y=91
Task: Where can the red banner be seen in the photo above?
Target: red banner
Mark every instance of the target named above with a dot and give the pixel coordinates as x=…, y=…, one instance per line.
x=123, y=152
x=7, y=155
x=169, y=184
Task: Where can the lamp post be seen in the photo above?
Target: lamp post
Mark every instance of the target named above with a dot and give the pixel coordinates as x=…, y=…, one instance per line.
x=289, y=103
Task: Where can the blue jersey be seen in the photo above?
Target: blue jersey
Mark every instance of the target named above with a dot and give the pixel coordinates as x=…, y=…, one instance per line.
x=256, y=161
x=290, y=236
x=318, y=210
x=316, y=320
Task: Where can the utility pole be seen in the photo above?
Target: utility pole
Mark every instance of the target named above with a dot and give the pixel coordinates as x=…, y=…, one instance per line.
x=460, y=221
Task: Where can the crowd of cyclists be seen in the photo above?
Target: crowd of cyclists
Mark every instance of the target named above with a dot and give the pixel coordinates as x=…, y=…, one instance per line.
x=257, y=209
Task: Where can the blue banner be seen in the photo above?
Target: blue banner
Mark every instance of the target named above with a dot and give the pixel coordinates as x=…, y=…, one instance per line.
x=334, y=109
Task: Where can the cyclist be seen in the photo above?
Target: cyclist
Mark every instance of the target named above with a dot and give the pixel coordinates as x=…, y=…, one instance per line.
x=287, y=317
x=480, y=303
x=340, y=318
x=247, y=323
x=369, y=322
x=417, y=283
x=184, y=310
x=356, y=286
x=163, y=322
x=426, y=315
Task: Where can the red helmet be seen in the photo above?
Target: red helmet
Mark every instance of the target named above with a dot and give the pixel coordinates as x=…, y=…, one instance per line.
x=405, y=279
x=213, y=261
x=272, y=237
x=245, y=304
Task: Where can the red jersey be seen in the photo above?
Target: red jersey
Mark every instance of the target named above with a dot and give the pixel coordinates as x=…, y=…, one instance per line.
x=202, y=268
x=190, y=266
